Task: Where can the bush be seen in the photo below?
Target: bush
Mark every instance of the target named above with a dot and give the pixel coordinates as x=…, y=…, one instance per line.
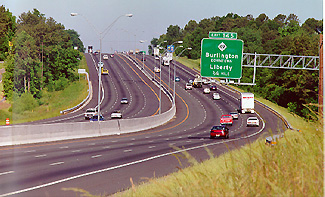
x=25, y=102
x=61, y=84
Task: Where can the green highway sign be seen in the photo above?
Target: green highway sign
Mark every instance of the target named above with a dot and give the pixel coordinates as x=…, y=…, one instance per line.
x=223, y=35
x=221, y=58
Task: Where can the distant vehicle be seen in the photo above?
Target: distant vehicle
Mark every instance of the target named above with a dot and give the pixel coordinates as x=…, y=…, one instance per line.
x=130, y=52
x=137, y=51
x=156, y=69
x=213, y=81
x=253, y=121
x=197, y=83
x=206, y=91
x=188, y=86
x=216, y=96
x=246, y=102
x=90, y=113
x=116, y=114
x=213, y=87
x=219, y=131
x=112, y=55
x=234, y=115
x=226, y=120
x=156, y=53
x=90, y=49
x=104, y=71
x=177, y=79
x=206, y=81
x=105, y=57
x=143, y=58
x=124, y=101
x=190, y=81
x=95, y=118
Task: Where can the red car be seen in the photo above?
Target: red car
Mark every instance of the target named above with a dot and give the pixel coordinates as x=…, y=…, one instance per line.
x=219, y=131
x=226, y=120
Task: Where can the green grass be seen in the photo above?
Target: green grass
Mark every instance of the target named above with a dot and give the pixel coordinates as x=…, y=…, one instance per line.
x=189, y=62
x=293, y=167
x=53, y=102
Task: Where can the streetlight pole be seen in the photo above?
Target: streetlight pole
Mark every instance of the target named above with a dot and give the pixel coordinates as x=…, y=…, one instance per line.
x=189, y=48
x=142, y=41
x=100, y=64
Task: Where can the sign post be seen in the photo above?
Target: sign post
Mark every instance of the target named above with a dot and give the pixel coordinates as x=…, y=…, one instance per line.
x=222, y=57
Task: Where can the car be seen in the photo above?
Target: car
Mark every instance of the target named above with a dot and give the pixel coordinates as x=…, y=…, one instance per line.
x=188, y=86
x=206, y=81
x=206, y=91
x=105, y=57
x=213, y=87
x=95, y=118
x=216, y=96
x=104, y=71
x=234, y=115
x=226, y=120
x=177, y=79
x=213, y=81
x=116, y=114
x=124, y=101
x=190, y=81
x=112, y=55
x=156, y=69
x=219, y=131
x=253, y=121
x=143, y=58
x=90, y=113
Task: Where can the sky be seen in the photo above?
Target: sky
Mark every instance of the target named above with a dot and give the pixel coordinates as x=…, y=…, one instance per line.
x=151, y=18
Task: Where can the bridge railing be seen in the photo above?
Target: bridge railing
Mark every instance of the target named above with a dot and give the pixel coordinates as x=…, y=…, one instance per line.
x=281, y=61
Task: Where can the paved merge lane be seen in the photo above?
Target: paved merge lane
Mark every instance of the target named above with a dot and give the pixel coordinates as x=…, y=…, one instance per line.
x=105, y=165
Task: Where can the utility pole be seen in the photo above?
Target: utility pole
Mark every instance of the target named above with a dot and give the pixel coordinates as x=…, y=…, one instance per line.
x=321, y=78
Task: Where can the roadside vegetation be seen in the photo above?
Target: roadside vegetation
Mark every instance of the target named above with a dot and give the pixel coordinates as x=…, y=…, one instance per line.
x=41, y=59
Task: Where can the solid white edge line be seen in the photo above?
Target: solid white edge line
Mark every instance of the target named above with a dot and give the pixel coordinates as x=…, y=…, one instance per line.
x=9, y=172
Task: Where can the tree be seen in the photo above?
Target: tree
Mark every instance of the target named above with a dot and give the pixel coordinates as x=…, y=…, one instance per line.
x=7, y=31
x=74, y=36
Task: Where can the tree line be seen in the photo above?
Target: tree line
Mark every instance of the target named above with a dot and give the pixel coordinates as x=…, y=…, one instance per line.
x=281, y=35
x=38, y=52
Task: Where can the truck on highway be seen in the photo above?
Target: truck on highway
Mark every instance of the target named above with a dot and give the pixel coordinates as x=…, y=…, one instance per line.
x=246, y=102
x=156, y=53
x=90, y=49
x=197, y=82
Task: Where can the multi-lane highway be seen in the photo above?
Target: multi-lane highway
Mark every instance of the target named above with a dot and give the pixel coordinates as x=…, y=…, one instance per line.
x=105, y=165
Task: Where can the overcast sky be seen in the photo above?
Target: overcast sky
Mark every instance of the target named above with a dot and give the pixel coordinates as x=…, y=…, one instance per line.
x=152, y=17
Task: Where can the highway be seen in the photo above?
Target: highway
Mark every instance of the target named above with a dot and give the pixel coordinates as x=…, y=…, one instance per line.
x=104, y=165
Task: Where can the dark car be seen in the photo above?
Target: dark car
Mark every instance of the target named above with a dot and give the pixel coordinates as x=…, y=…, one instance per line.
x=219, y=131
x=213, y=87
x=95, y=118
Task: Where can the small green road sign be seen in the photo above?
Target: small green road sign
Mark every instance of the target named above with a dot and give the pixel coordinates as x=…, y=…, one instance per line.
x=223, y=35
x=221, y=58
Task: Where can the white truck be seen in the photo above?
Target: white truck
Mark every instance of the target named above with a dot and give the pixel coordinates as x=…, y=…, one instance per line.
x=246, y=102
x=156, y=53
x=167, y=59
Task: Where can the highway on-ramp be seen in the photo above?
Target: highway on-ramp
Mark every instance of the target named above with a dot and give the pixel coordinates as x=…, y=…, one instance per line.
x=105, y=165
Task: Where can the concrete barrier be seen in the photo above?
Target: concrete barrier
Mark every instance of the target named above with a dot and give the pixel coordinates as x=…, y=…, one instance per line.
x=26, y=134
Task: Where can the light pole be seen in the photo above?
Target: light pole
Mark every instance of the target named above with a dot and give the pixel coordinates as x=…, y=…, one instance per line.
x=189, y=48
x=100, y=63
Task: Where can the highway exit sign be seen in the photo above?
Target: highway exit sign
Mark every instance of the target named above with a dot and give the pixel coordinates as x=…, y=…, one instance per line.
x=221, y=58
x=223, y=35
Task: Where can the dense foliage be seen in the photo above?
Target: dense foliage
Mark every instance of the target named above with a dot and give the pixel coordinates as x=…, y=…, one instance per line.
x=281, y=35
x=7, y=31
x=42, y=56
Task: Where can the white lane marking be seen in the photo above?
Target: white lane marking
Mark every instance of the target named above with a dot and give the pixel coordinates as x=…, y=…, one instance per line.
x=75, y=151
x=37, y=156
x=30, y=151
x=167, y=139
x=130, y=144
x=131, y=163
x=147, y=137
x=113, y=141
x=106, y=147
x=92, y=144
x=57, y=163
x=133, y=139
x=189, y=141
x=129, y=150
x=9, y=172
x=95, y=156
x=151, y=147
x=63, y=147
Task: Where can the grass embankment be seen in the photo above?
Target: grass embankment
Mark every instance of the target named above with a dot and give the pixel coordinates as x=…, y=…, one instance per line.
x=52, y=102
x=293, y=167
